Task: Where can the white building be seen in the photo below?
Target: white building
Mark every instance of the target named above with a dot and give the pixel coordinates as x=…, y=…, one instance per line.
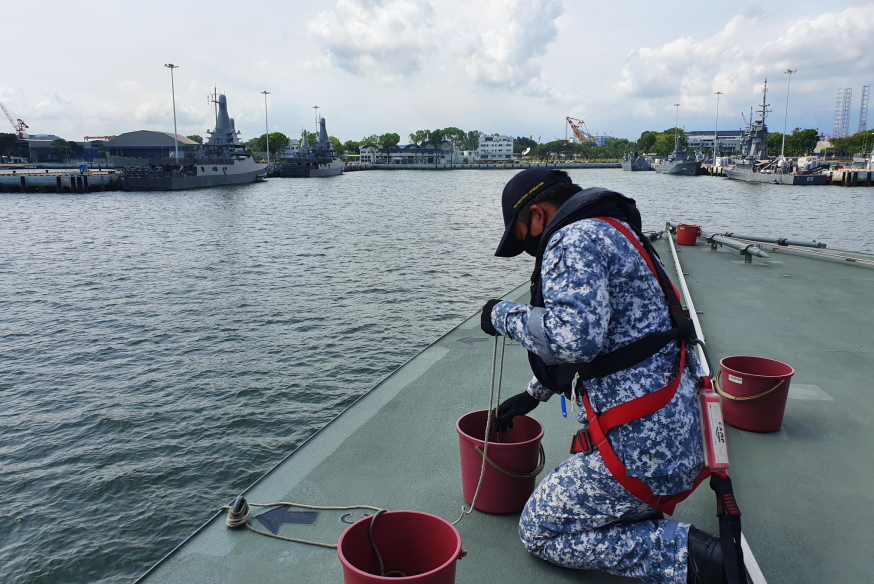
x=410, y=154
x=729, y=140
x=468, y=156
x=495, y=147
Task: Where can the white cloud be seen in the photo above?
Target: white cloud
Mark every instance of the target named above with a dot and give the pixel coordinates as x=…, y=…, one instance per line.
x=507, y=54
x=826, y=50
x=387, y=38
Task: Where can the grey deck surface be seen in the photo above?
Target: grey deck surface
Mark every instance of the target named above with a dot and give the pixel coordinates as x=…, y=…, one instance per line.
x=805, y=491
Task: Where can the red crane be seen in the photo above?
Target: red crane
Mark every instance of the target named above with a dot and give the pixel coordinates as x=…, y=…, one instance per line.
x=17, y=124
x=581, y=132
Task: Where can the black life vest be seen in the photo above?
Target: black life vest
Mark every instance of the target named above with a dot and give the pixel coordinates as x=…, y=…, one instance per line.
x=588, y=204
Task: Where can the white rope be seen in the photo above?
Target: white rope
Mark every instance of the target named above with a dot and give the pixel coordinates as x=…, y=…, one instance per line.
x=482, y=472
x=241, y=518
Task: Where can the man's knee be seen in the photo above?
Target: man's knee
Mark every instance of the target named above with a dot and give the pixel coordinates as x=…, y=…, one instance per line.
x=532, y=533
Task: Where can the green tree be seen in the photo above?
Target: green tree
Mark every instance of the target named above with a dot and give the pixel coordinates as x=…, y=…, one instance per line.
x=804, y=141
x=337, y=146
x=471, y=141
x=436, y=139
x=65, y=149
x=851, y=145
x=7, y=143
x=196, y=138
x=647, y=141
x=351, y=146
x=521, y=143
x=419, y=137
x=387, y=142
x=775, y=140
x=664, y=143
x=372, y=140
x=455, y=135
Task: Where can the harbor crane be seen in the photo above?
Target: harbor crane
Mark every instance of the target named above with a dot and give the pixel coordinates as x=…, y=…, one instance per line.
x=581, y=132
x=17, y=124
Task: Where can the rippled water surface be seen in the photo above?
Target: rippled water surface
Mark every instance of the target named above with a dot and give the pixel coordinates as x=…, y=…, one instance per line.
x=160, y=351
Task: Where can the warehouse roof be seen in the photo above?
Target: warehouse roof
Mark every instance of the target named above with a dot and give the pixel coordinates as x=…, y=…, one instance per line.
x=148, y=139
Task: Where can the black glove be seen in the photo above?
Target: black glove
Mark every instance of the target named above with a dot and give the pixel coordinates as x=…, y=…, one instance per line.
x=485, y=322
x=518, y=405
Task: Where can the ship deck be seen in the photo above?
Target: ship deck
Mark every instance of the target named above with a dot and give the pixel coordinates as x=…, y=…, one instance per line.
x=804, y=490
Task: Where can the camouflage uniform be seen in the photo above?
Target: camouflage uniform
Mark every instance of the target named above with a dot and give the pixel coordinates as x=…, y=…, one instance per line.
x=600, y=295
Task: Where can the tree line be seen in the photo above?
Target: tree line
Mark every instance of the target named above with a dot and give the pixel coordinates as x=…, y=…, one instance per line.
x=852, y=145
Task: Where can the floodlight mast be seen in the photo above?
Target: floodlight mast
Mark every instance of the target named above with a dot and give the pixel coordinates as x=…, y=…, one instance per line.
x=171, y=66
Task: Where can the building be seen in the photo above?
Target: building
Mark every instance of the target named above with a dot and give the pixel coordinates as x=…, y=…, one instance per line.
x=148, y=144
x=495, y=147
x=410, y=154
x=466, y=156
x=729, y=140
x=602, y=140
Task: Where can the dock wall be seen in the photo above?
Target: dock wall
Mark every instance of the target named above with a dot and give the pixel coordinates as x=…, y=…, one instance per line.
x=480, y=166
x=59, y=182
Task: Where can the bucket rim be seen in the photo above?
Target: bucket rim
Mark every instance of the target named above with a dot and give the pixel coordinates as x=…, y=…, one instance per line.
x=499, y=445
x=682, y=225
x=347, y=564
x=755, y=375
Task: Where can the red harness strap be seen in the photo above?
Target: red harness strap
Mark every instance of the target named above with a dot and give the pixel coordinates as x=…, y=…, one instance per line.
x=600, y=426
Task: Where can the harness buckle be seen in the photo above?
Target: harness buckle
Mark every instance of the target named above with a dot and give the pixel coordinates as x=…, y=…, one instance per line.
x=582, y=442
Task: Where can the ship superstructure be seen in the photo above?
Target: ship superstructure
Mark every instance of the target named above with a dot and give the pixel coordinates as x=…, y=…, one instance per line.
x=318, y=160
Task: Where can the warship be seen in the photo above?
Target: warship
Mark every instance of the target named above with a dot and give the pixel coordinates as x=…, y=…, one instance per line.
x=634, y=161
x=223, y=160
x=319, y=160
x=755, y=165
x=679, y=162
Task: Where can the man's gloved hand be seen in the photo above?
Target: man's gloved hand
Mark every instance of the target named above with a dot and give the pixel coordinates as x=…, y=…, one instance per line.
x=518, y=405
x=486, y=320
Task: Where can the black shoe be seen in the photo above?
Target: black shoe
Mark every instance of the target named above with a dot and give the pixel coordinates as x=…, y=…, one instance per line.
x=705, y=558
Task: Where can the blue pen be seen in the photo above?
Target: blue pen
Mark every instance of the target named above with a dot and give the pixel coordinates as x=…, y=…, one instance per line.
x=563, y=407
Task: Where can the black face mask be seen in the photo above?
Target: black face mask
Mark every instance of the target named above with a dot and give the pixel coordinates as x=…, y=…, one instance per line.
x=532, y=242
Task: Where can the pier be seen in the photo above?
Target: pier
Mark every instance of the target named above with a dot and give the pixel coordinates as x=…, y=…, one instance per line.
x=58, y=181
x=354, y=167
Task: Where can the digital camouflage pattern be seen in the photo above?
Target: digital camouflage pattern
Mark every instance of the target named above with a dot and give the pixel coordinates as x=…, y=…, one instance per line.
x=579, y=518
x=600, y=295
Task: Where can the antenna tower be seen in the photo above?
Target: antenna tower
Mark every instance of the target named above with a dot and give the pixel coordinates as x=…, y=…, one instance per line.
x=839, y=108
x=863, y=109
x=845, y=113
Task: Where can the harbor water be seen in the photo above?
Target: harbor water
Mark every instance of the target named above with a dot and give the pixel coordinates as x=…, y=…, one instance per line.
x=161, y=351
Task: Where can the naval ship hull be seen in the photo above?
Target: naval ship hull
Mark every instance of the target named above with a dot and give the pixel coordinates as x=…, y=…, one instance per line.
x=686, y=168
x=635, y=165
x=777, y=179
x=159, y=182
x=311, y=169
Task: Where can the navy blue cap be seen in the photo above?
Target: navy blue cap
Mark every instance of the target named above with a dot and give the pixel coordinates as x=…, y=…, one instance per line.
x=519, y=191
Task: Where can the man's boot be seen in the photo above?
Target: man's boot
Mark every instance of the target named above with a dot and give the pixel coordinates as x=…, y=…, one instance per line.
x=705, y=558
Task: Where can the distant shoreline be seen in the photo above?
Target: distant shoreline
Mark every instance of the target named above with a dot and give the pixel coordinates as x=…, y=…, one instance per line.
x=355, y=167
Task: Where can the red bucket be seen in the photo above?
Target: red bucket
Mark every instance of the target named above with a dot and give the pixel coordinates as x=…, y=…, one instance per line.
x=755, y=391
x=687, y=234
x=515, y=459
x=422, y=546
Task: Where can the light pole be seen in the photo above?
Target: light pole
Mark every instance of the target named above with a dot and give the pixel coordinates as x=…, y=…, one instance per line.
x=788, y=72
x=676, y=126
x=266, y=127
x=171, y=66
x=716, y=130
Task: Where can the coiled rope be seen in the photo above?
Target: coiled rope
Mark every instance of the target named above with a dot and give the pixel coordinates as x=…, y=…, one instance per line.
x=239, y=513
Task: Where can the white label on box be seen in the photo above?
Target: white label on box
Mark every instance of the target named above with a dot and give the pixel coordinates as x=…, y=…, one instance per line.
x=735, y=379
x=717, y=433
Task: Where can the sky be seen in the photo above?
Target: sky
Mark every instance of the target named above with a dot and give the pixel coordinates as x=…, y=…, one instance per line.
x=373, y=66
